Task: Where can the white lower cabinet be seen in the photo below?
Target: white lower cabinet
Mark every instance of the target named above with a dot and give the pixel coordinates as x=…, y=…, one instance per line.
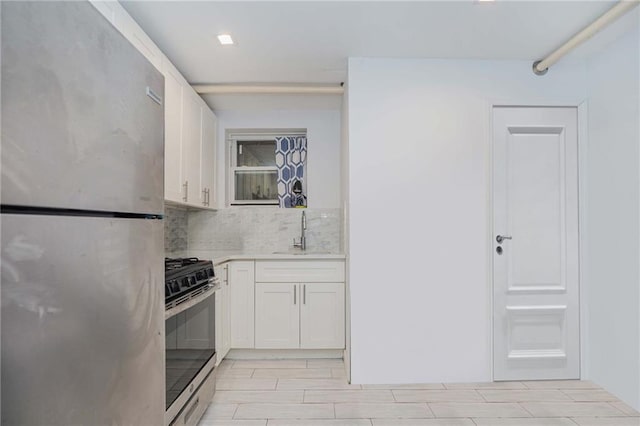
x=277, y=316
x=300, y=315
x=322, y=316
x=222, y=324
x=241, y=304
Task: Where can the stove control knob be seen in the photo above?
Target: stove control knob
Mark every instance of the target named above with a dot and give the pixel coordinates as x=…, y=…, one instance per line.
x=192, y=280
x=175, y=286
x=167, y=290
x=185, y=282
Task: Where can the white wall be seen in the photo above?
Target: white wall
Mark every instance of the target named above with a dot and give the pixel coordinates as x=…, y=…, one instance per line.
x=323, y=159
x=419, y=170
x=613, y=219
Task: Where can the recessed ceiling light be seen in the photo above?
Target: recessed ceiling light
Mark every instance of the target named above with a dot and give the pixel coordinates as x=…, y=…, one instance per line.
x=225, y=39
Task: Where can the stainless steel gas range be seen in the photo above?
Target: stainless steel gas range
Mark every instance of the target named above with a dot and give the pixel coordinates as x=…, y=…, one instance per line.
x=190, y=286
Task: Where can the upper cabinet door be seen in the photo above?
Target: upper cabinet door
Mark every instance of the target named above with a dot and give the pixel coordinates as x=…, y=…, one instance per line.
x=191, y=134
x=78, y=127
x=173, y=161
x=208, y=158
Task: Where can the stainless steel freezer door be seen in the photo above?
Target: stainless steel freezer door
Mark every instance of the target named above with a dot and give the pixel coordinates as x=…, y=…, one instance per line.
x=78, y=128
x=82, y=321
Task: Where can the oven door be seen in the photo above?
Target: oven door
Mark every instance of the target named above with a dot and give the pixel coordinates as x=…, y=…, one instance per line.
x=190, y=355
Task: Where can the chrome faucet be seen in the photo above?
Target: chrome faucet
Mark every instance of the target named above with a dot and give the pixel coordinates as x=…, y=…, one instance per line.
x=302, y=245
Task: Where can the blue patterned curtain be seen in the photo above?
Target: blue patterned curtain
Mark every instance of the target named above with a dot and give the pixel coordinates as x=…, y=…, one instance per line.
x=291, y=158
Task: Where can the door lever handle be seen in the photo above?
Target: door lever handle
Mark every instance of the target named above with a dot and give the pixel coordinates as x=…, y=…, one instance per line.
x=501, y=238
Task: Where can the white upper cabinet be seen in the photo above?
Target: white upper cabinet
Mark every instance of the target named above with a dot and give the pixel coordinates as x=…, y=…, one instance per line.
x=209, y=125
x=190, y=126
x=174, y=86
x=198, y=150
x=191, y=122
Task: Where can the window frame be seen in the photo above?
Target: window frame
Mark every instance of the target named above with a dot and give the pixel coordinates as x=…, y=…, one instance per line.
x=233, y=136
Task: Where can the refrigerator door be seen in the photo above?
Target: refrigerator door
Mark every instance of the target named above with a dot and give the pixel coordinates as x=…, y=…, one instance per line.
x=78, y=128
x=82, y=321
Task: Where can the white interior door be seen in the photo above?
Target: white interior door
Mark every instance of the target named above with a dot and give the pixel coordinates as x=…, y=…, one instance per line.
x=535, y=267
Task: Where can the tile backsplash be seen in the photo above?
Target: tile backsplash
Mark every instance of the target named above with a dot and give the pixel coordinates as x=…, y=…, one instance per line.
x=251, y=230
x=175, y=230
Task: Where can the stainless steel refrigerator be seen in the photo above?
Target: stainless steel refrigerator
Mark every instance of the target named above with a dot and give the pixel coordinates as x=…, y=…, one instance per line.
x=82, y=309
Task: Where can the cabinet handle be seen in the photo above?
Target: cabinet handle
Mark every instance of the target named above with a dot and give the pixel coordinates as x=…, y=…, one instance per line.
x=191, y=410
x=294, y=293
x=186, y=191
x=304, y=294
x=204, y=197
x=208, y=197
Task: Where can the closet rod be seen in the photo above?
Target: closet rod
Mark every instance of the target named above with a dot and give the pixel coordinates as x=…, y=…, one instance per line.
x=299, y=89
x=542, y=66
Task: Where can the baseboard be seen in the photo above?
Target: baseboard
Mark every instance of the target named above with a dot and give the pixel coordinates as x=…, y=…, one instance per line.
x=284, y=353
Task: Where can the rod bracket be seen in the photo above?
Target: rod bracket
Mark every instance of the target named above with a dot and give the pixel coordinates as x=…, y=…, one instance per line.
x=536, y=71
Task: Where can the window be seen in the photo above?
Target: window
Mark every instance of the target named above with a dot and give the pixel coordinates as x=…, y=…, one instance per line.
x=253, y=175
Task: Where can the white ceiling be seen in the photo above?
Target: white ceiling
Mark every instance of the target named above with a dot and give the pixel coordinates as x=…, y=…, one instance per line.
x=310, y=41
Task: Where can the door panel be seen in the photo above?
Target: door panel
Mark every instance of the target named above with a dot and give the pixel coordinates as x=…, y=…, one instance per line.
x=322, y=315
x=75, y=104
x=536, y=208
x=277, y=316
x=82, y=321
x=536, y=288
x=242, y=304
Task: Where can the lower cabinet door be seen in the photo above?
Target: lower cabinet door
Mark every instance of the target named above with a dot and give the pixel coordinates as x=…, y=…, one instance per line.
x=322, y=313
x=219, y=326
x=277, y=315
x=223, y=329
x=226, y=320
x=241, y=294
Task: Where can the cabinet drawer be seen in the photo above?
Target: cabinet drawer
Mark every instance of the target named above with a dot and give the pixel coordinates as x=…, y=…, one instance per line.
x=296, y=271
x=198, y=404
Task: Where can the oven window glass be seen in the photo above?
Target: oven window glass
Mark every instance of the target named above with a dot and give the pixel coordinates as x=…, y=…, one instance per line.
x=189, y=347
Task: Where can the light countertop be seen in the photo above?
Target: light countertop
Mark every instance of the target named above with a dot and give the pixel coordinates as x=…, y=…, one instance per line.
x=219, y=258
x=280, y=256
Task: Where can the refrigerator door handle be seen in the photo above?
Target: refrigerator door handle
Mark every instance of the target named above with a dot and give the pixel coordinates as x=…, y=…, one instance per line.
x=154, y=97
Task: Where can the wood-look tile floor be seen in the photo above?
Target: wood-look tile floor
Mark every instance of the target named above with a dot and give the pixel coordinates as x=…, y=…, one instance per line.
x=316, y=393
